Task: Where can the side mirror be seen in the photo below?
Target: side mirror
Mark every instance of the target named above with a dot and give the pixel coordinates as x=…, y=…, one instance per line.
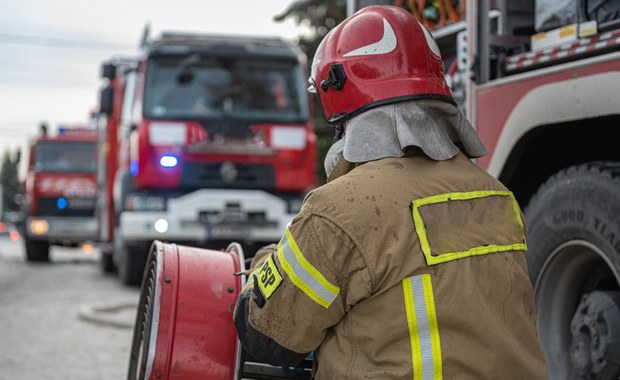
x=106, y=101
x=108, y=71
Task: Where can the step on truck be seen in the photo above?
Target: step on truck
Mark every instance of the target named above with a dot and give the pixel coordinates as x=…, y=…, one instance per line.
x=204, y=139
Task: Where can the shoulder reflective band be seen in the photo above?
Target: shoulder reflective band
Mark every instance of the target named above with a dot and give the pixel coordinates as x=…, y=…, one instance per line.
x=423, y=330
x=501, y=230
x=305, y=276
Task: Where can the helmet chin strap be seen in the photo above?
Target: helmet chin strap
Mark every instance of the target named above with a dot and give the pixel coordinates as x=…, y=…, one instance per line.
x=339, y=132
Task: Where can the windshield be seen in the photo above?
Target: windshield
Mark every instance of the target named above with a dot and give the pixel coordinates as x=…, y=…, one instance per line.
x=196, y=87
x=65, y=156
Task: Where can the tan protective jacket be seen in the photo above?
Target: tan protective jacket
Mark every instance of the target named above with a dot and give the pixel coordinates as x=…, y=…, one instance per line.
x=405, y=268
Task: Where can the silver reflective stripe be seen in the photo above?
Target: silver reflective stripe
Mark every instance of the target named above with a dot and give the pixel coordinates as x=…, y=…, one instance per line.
x=305, y=276
x=423, y=329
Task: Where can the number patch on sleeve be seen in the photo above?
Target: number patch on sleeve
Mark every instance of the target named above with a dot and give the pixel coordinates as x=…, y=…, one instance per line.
x=269, y=278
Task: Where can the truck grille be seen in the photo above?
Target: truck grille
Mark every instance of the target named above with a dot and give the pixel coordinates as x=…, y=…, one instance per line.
x=66, y=207
x=228, y=175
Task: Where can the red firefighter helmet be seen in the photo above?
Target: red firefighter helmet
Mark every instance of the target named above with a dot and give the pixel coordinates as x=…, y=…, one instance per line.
x=379, y=55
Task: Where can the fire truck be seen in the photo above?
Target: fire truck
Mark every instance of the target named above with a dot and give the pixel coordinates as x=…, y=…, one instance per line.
x=540, y=80
x=204, y=139
x=60, y=191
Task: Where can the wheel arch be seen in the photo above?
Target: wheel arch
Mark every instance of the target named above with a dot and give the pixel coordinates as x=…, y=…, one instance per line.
x=546, y=149
x=557, y=123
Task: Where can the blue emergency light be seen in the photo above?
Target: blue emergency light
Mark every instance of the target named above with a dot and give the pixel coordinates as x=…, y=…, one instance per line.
x=134, y=168
x=61, y=203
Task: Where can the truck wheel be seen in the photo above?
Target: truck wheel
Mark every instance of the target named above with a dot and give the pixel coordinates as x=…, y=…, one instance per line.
x=574, y=264
x=37, y=251
x=131, y=264
x=106, y=263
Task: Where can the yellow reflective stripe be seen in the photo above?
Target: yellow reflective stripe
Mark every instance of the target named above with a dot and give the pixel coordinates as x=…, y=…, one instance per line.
x=460, y=196
x=303, y=274
x=423, y=329
x=431, y=314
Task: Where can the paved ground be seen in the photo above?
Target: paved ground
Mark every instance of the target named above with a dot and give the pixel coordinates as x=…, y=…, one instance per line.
x=50, y=327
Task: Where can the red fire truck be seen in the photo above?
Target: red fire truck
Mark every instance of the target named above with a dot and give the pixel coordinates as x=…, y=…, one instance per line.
x=540, y=80
x=60, y=191
x=204, y=139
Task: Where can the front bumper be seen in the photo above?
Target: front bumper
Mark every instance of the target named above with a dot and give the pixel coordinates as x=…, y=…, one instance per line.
x=66, y=229
x=210, y=214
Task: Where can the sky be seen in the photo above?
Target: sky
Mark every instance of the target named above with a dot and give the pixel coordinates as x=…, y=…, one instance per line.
x=51, y=50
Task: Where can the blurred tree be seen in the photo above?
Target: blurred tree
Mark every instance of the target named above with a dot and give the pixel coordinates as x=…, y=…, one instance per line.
x=9, y=182
x=320, y=16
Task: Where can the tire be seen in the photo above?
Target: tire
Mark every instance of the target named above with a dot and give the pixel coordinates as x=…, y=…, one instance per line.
x=131, y=264
x=37, y=251
x=106, y=263
x=574, y=264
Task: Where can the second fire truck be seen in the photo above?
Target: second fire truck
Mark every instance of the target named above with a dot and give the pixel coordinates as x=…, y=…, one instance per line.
x=60, y=191
x=540, y=80
x=204, y=139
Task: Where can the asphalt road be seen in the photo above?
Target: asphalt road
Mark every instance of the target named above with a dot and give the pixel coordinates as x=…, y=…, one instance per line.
x=62, y=320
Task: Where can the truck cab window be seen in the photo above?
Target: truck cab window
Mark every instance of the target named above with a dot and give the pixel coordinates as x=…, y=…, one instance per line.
x=262, y=91
x=65, y=157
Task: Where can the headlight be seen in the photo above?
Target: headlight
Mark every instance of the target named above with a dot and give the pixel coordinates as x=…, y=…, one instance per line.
x=168, y=161
x=161, y=225
x=39, y=226
x=167, y=134
x=288, y=138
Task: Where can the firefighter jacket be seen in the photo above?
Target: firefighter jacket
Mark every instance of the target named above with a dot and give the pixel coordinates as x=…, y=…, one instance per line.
x=404, y=268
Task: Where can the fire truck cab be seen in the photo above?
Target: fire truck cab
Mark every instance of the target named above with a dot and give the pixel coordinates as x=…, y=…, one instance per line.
x=206, y=139
x=60, y=191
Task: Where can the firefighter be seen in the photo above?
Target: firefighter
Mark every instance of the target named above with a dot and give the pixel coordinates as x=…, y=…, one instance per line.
x=409, y=263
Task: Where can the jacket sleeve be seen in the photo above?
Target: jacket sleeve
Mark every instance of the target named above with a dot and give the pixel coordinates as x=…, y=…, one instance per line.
x=296, y=295
x=260, y=346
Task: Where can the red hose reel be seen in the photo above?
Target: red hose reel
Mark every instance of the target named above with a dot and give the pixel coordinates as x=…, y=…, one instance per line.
x=184, y=327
